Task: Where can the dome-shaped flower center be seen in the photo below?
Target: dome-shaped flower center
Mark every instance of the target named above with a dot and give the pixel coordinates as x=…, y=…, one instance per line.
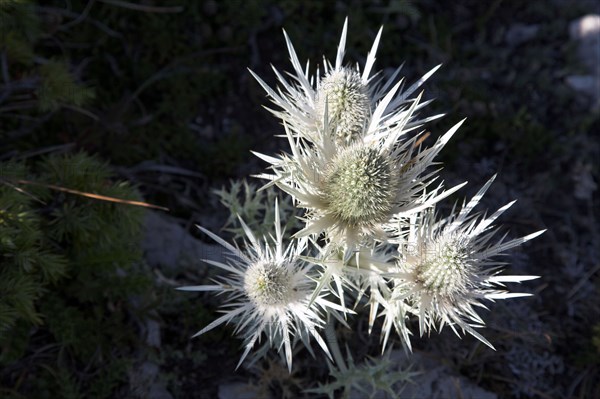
x=359, y=187
x=348, y=104
x=444, y=271
x=268, y=284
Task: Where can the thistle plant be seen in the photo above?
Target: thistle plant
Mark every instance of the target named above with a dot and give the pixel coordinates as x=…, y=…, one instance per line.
x=448, y=267
x=370, y=235
x=269, y=290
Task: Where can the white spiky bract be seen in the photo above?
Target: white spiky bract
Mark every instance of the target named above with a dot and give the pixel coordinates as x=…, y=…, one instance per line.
x=447, y=267
x=268, y=292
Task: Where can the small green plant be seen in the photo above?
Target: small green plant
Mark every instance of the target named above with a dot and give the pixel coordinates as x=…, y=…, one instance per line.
x=69, y=266
x=371, y=378
x=59, y=87
x=46, y=84
x=29, y=262
x=245, y=201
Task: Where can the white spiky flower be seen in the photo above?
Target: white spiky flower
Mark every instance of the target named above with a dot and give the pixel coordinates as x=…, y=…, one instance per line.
x=347, y=97
x=447, y=268
x=268, y=291
x=353, y=192
x=349, y=168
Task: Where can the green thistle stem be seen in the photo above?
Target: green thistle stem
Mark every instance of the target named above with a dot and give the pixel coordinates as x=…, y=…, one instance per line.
x=334, y=346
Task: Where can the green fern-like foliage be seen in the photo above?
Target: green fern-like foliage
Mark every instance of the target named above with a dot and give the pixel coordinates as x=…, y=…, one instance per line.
x=255, y=208
x=70, y=266
x=59, y=87
x=17, y=48
x=370, y=379
x=28, y=263
x=18, y=31
x=19, y=16
x=30, y=75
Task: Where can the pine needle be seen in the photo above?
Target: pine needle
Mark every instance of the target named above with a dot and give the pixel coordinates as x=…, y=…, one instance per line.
x=84, y=194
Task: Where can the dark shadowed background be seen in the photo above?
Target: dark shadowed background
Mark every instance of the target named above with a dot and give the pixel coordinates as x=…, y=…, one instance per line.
x=151, y=101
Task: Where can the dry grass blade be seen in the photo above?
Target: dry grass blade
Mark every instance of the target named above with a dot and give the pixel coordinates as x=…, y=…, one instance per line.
x=23, y=191
x=92, y=195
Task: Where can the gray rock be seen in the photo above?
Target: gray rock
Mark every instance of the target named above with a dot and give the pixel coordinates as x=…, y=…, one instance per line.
x=584, y=181
x=586, y=32
x=167, y=244
x=586, y=84
x=520, y=33
x=152, y=333
x=158, y=391
x=437, y=381
x=237, y=390
x=144, y=382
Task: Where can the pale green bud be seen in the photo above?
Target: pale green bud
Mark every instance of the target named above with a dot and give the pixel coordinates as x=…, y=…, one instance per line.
x=348, y=104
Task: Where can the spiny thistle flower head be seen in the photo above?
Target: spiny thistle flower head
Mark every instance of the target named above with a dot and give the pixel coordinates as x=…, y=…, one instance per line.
x=349, y=167
x=268, y=292
x=346, y=98
x=270, y=284
x=444, y=269
x=450, y=268
x=353, y=192
x=360, y=186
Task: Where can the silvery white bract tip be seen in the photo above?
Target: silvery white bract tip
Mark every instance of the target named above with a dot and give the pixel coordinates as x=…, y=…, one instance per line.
x=268, y=292
x=447, y=267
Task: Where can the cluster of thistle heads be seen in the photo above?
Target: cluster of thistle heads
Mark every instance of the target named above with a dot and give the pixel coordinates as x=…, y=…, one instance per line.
x=371, y=238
